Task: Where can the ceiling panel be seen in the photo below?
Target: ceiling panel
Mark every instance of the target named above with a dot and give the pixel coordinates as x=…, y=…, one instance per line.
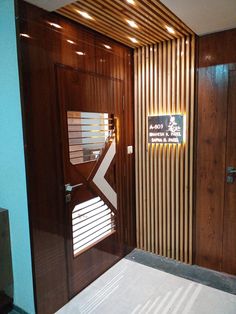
x=49, y=5
x=110, y=17
x=205, y=16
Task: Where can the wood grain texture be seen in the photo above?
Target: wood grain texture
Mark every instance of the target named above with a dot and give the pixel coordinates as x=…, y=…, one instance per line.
x=212, y=94
x=39, y=54
x=215, y=199
x=164, y=84
x=229, y=225
x=110, y=18
x=217, y=48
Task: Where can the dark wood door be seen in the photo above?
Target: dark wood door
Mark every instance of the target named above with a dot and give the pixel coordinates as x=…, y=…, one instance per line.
x=91, y=118
x=216, y=152
x=229, y=229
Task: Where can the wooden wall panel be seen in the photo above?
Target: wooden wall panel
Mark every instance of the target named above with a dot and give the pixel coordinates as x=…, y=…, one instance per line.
x=41, y=48
x=164, y=84
x=217, y=48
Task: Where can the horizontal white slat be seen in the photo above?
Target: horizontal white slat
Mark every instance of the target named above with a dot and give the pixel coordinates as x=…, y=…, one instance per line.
x=97, y=227
x=86, y=203
x=76, y=251
x=87, y=210
x=91, y=221
x=94, y=216
x=92, y=238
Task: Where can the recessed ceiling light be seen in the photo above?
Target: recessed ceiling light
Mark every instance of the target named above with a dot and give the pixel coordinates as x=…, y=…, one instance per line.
x=170, y=30
x=55, y=25
x=132, y=23
x=134, y=40
x=85, y=15
x=131, y=1
x=80, y=53
x=25, y=35
x=107, y=46
x=70, y=41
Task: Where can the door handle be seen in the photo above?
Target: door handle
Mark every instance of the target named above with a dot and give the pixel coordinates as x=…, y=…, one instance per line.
x=69, y=187
x=231, y=170
x=231, y=174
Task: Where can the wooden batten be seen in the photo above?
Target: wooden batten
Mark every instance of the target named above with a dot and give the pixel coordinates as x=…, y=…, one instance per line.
x=109, y=17
x=164, y=83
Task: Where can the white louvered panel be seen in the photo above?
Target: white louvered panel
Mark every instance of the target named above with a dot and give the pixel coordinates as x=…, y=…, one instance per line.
x=92, y=221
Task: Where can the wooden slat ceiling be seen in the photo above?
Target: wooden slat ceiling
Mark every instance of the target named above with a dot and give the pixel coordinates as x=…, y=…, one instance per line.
x=110, y=18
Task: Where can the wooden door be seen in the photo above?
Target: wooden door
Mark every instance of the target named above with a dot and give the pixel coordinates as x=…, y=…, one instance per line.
x=216, y=152
x=229, y=228
x=91, y=118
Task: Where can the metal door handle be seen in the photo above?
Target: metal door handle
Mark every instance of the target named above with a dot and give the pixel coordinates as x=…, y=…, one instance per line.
x=231, y=175
x=69, y=187
x=231, y=170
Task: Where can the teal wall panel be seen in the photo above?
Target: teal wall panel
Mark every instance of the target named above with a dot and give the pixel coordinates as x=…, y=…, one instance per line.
x=13, y=194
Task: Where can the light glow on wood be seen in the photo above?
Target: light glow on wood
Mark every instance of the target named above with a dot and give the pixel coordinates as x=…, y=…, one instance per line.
x=164, y=84
x=111, y=16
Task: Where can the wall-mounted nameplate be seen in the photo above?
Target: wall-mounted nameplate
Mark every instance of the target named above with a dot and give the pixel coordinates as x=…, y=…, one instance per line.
x=165, y=129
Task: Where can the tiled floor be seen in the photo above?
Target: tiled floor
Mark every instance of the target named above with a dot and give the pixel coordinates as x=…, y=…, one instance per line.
x=208, y=277
x=133, y=288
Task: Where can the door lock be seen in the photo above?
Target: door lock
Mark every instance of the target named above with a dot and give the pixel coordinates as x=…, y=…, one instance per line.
x=231, y=174
x=68, y=198
x=68, y=189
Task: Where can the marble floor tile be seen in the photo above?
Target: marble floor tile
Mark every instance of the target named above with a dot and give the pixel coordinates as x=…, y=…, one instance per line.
x=133, y=288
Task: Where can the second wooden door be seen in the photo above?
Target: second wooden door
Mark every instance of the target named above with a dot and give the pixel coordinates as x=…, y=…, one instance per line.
x=216, y=169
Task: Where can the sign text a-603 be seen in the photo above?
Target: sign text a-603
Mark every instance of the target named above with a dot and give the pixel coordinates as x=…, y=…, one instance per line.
x=166, y=129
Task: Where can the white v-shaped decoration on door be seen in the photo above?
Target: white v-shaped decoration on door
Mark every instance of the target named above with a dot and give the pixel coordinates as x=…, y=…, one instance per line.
x=99, y=177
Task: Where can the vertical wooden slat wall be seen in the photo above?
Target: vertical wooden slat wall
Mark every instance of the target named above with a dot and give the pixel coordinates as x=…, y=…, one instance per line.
x=164, y=84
